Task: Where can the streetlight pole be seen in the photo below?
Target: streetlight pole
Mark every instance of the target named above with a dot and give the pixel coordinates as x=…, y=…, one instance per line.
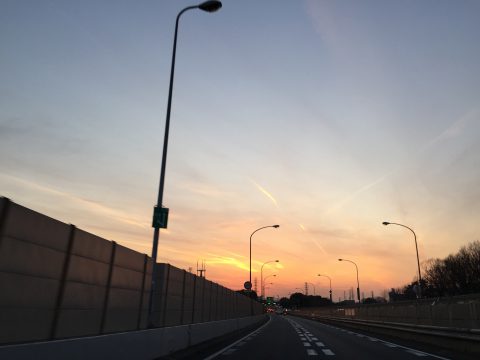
x=160, y=214
x=261, y=276
x=266, y=277
x=358, y=283
x=267, y=287
x=330, y=285
x=314, y=291
x=416, y=248
x=263, y=227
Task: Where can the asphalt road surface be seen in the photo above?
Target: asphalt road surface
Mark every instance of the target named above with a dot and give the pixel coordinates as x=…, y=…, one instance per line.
x=288, y=337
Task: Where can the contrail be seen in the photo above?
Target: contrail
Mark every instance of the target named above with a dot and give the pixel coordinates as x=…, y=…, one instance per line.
x=312, y=239
x=265, y=192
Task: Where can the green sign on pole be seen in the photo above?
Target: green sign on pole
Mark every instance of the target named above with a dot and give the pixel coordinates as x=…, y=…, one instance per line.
x=160, y=217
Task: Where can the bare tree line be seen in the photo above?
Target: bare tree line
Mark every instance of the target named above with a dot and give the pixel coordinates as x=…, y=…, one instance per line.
x=457, y=274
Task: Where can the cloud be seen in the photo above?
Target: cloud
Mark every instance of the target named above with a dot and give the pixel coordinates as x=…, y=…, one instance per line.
x=265, y=192
x=214, y=259
x=88, y=205
x=455, y=129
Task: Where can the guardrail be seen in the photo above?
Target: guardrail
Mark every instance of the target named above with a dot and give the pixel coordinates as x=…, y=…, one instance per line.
x=458, y=339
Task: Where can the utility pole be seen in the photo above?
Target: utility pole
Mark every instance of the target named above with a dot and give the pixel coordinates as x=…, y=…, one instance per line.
x=202, y=270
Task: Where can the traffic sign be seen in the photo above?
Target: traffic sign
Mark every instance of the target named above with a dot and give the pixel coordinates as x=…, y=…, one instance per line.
x=160, y=217
x=247, y=285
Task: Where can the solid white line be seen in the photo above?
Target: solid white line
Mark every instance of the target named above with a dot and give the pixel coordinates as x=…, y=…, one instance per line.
x=390, y=344
x=311, y=352
x=417, y=353
x=328, y=352
x=229, y=351
x=236, y=342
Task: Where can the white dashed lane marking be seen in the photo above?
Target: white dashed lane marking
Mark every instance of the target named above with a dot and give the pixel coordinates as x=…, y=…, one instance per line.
x=307, y=337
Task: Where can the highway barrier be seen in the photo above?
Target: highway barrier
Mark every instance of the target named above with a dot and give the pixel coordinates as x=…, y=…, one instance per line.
x=58, y=281
x=453, y=312
x=138, y=345
x=458, y=339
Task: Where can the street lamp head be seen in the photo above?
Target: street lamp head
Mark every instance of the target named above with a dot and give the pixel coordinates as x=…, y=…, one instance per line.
x=340, y=259
x=276, y=226
x=277, y=260
x=210, y=6
x=319, y=275
x=386, y=223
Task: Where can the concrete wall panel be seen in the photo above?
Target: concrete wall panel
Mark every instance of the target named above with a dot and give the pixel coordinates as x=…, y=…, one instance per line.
x=126, y=278
x=123, y=299
x=199, y=298
x=128, y=258
x=78, y=322
x=121, y=320
x=88, y=271
x=30, y=258
x=24, y=323
x=20, y=291
x=28, y=225
x=83, y=296
x=91, y=246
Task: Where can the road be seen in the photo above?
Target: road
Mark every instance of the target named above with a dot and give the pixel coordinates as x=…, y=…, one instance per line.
x=288, y=337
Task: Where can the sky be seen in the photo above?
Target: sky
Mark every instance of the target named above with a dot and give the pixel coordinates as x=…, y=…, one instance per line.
x=325, y=117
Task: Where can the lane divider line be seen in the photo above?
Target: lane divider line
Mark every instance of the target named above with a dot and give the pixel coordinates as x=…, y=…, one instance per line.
x=236, y=342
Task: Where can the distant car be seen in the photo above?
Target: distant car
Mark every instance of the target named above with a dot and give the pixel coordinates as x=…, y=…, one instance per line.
x=279, y=311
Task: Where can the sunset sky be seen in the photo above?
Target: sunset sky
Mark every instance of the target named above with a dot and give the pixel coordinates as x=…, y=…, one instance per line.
x=326, y=117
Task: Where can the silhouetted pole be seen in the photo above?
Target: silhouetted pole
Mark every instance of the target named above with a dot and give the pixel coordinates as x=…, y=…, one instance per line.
x=261, y=276
x=330, y=285
x=208, y=6
x=263, y=227
x=418, y=258
x=358, y=282
x=314, y=291
x=266, y=277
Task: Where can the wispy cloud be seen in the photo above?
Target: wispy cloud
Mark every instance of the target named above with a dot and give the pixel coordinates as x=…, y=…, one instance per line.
x=265, y=192
x=455, y=129
x=88, y=205
x=226, y=260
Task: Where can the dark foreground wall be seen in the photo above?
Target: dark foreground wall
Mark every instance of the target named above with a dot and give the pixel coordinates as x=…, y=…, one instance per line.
x=57, y=281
